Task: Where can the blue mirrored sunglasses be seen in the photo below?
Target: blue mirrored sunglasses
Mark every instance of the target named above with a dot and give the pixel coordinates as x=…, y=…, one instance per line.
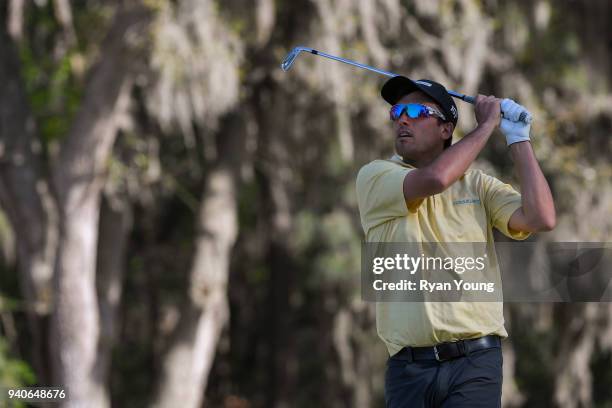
x=413, y=111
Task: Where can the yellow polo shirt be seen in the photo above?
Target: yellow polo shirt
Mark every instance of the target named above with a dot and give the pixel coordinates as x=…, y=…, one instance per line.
x=465, y=212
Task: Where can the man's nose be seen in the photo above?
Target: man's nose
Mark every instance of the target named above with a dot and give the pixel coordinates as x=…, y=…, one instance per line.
x=403, y=119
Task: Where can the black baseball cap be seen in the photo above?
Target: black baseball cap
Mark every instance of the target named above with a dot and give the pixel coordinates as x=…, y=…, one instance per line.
x=395, y=88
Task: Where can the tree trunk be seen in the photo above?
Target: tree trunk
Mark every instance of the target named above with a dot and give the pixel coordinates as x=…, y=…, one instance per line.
x=78, y=179
x=115, y=224
x=14, y=19
x=573, y=383
x=191, y=353
x=27, y=201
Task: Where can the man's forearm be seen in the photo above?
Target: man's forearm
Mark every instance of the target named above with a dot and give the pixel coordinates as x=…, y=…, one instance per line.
x=455, y=160
x=537, y=201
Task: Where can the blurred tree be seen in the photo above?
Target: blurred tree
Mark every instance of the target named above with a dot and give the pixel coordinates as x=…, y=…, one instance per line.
x=59, y=212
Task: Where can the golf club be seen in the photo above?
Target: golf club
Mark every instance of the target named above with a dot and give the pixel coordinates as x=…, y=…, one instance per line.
x=290, y=59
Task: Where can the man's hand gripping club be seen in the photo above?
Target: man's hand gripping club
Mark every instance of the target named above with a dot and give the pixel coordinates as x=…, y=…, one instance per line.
x=514, y=130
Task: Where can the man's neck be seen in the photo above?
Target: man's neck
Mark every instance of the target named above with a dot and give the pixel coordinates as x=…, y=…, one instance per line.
x=421, y=161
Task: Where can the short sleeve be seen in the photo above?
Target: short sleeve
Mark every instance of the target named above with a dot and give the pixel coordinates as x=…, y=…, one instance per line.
x=501, y=201
x=380, y=193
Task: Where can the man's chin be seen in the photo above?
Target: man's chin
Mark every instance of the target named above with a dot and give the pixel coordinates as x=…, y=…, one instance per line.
x=405, y=152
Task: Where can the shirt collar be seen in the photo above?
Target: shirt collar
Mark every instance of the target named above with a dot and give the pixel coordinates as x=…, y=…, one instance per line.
x=396, y=158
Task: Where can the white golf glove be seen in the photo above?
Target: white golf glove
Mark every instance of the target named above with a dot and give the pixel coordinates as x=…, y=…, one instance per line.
x=514, y=130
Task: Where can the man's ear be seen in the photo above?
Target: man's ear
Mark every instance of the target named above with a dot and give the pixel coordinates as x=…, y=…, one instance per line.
x=447, y=130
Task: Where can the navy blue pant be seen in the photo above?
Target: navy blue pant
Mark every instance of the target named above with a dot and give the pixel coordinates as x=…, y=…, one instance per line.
x=471, y=381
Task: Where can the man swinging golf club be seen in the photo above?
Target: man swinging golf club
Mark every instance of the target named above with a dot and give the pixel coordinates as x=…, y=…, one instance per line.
x=447, y=354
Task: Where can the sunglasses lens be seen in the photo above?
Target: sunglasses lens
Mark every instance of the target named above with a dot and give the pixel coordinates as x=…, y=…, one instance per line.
x=396, y=111
x=413, y=110
x=416, y=111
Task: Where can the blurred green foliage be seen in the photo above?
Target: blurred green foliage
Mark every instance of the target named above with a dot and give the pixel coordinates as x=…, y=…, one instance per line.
x=14, y=372
x=54, y=74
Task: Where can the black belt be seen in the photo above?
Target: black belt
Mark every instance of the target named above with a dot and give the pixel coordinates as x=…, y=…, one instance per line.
x=448, y=351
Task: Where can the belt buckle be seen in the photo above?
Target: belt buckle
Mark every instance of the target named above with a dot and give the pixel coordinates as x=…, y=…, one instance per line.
x=436, y=354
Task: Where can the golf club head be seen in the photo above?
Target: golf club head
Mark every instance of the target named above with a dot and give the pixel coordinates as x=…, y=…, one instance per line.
x=290, y=58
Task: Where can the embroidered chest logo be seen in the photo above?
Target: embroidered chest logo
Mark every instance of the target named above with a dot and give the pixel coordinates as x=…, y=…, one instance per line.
x=467, y=201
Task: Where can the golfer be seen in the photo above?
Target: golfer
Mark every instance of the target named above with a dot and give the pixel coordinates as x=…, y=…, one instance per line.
x=447, y=354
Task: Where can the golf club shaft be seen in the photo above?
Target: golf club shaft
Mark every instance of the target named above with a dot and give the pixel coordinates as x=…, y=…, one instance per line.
x=290, y=58
x=458, y=95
